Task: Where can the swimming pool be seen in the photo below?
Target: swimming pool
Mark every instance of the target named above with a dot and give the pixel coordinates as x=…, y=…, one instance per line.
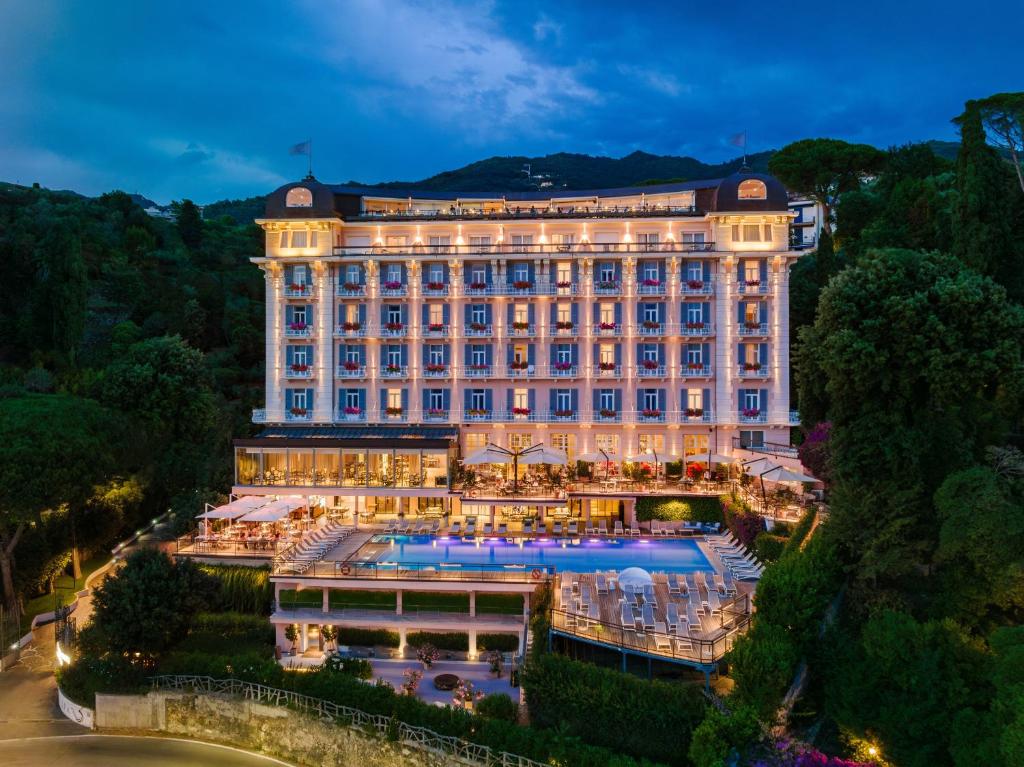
x=583, y=556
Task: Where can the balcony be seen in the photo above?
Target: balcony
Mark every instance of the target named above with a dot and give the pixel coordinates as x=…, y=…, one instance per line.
x=350, y=413
x=695, y=370
x=753, y=287
x=522, y=329
x=520, y=370
x=608, y=370
x=298, y=370
x=479, y=330
x=351, y=370
x=435, y=330
x=479, y=289
x=607, y=287
x=651, y=328
x=650, y=287
x=563, y=416
x=299, y=414
x=650, y=416
x=517, y=288
x=606, y=415
x=478, y=370
x=393, y=371
x=399, y=414
x=753, y=329
x=298, y=290
x=563, y=370
x=565, y=288
x=435, y=289
x=435, y=415
x=476, y=415
x=607, y=329
x=752, y=415
x=646, y=370
x=518, y=414
x=562, y=328
x=350, y=290
x=696, y=415
x=394, y=330
x=695, y=329
x=392, y=289
x=435, y=370
x=259, y=415
x=351, y=330
x=696, y=287
x=298, y=330
x=753, y=370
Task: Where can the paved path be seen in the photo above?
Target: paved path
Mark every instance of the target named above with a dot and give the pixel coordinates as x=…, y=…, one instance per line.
x=116, y=750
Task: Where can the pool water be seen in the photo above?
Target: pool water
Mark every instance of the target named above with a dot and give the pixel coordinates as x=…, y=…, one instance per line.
x=582, y=556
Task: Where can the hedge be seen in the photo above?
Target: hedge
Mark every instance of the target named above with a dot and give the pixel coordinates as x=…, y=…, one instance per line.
x=438, y=601
x=223, y=633
x=242, y=589
x=498, y=705
x=367, y=637
x=499, y=642
x=456, y=641
x=644, y=719
x=690, y=508
x=768, y=547
x=506, y=604
x=302, y=598
x=375, y=600
x=801, y=529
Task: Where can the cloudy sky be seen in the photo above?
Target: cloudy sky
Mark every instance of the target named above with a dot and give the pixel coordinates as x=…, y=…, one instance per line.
x=202, y=99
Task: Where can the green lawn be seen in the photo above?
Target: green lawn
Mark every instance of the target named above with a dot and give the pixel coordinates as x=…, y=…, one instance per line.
x=65, y=586
x=436, y=601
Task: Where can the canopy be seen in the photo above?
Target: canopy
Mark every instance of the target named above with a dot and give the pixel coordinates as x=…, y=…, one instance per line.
x=713, y=458
x=489, y=454
x=653, y=457
x=784, y=474
x=543, y=454
x=759, y=466
x=634, y=576
x=596, y=457
x=275, y=511
x=236, y=508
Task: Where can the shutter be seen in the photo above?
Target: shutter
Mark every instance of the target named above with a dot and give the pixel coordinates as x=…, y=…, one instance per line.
x=762, y=400
x=763, y=272
x=446, y=354
x=662, y=312
x=488, y=314
x=531, y=355
x=618, y=354
x=383, y=315
x=287, y=399
x=489, y=354
x=468, y=312
x=552, y=400
x=404, y=355
x=618, y=313
x=362, y=314
x=405, y=314
x=739, y=354
x=705, y=354
x=706, y=270
x=574, y=354
x=446, y=313
x=405, y=400
x=661, y=271
x=531, y=399
x=383, y=401
x=489, y=399
x=509, y=352
x=509, y=314
x=705, y=399
x=596, y=314
x=739, y=267
x=662, y=399
x=574, y=315
x=362, y=400
x=661, y=354
x=554, y=316
x=425, y=316
x=446, y=398
x=705, y=311
x=762, y=354
x=574, y=399
x=739, y=312
x=762, y=312
x=426, y=400
x=618, y=400
x=466, y=354
x=508, y=400
x=531, y=314
x=596, y=401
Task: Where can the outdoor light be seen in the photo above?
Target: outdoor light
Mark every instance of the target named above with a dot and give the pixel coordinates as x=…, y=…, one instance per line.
x=873, y=750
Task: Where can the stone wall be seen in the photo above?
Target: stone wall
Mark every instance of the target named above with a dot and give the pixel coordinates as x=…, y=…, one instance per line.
x=272, y=730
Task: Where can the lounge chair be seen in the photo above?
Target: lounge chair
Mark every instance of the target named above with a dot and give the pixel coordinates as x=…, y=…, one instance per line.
x=503, y=529
x=456, y=528
x=574, y=528
x=714, y=603
x=602, y=528
x=683, y=644
x=626, y=617
x=634, y=530
x=602, y=583
x=528, y=527
x=730, y=587
x=692, y=616
x=556, y=528
x=650, y=597
x=618, y=528
x=471, y=526
x=567, y=600
x=672, y=616
x=589, y=529
x=719, y=583
x=662, y=641
x=421, y=527
x=542, y=529
x=488, y=528
x=673, y=584
x=435, y=526
x=391, y=526
x=654, y=527
x=647, y=617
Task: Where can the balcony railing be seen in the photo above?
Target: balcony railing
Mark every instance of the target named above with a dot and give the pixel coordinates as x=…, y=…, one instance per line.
x=608, y=371
x=607, y=416
x=435, y=289
x=259, y=415
x=607, y=329
x=351, y=371
x=607, y=287
x=752, y=415
x=394, y=414
x=298, y=331
x=352, y=330
x=345, y=414
x=645, y=289
x=696, y=415
x=527, y=330
x=514, y=370
x=753, y=329
x=434, y=415
x=394, y=330
x=754, y=370
x=533, y=248
x=695, y=329
x=436, y=370
x=435, y=330
x=477, y=371
x=393, y=291
x=299, y=414
x=651, y=416
x=300, y=371
x=651, y=328
x=554, y=331
x=757, y=288
x=696, y=287
x=651, y=371
x=478, y=330
x=296, y=290
x=350, y=290
x=694, y=370
x=472, y=415
x=394, y=371
x=563, y=370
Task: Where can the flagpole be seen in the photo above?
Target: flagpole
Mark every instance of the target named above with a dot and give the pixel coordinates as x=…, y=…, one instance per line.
x=310, y=157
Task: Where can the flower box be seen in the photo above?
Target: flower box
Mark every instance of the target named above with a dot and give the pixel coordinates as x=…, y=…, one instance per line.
x=436, y=368
x=606, y=326
x=694, y=412
x=300, y=367
x=564, y=325
x=563, y=284
x=393, y=326
x=520, y=325
x=350, y=365
x=477, y=326
x=751, y=325
x=651, y=283
x=392, y=411
x=435, y=327
x=392, y=368
x=694, y=365
x=751, y=365
x=750, y=412
x=436, y=412
x=562, y=366
x=649, y=413
x=606, y=366
x=695, y=326
x=479, y=368
x=477, y=413
x=520, y=411
x=296, y=287
x=352, y=410
x=352, y=326
x=518, y=365
x=435, y=286
x=392, y=285
x=650, y=365
x=752, y=283
x=564, y=413
x=607, y=413
x=298, y=411
x=651, y=325
x=522, y=284
x=478, y=286
x=695, y=284
x=607, y=285
x=352, y=287
x=297, y=326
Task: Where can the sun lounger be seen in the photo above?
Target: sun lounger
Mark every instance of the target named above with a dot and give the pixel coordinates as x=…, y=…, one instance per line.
x=556, y=528
x=730, y=587
x=683, y=644
x=585, y=597
x=528, y=527
x=602, y=528
x=503, y=529
x=626, y=617
x=470, y=527
x=647, y=617
x=662, y=641
x=435, y=526
x=456, y=528
x=391, y=526
x=673, y=584
x=602, y=584
x=542, y=529
x=421, y=527
x=672, y=616
x=589, y=529
x=488, y=528
x=650, y=597
x=719, y=583
x=654, y=527
x=567, y=599
x=618, y=528
x=691, y=582
x=634, y=531
x=714, y=603
x=574, y=528
x=692, y=616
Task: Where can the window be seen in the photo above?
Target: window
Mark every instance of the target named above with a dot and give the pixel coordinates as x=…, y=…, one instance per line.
x=479, y=240
x=563, y=399
x=299, y=398
x=751, y=271
x=649, y=399
x=649, y=238
x=518, y=441
x=300, y=355
x=649, y=353
x=435, y=314
x=606, y=272
x=650, y=313
x=694, y=313
x=606, y=399
x=439, y=241
x=606, y=312
x=476, y=441
x=749, y=353
x=435, y=399
x=394, y=313
x=695, y=353
x=650, y=271
x=435, y=273
x=695, y=445
x=606, y=353
x=477, y=400
x=609, y=443
x=751, y=439
x=521, y=272
x=750, y=312
x=352, y=398
x=767, y=233
x=394, y=355
x=693, y=237
x=299, y=197
x=563, y=312
x=299, y=315
x=694, y=399
x=299, y=274
x=520, y=313
x=435, y=353
x=563, y=272
x=750, y=399
x=299, y=238
x=520, y=353
x=520, y=398
x=522, y=239
x=352, y=354
x=562, y=239
x=746, y=232
x=478, y=355
x=396, y=240
x=650, y=443
x=566, y=443
x=351, y=313
x=283, y=243
x=394, y=272
x=394, y=398
x=752, y=189
x=563, y=353
x=477, y=313
x=694, y=270
x=478, y=274
x=353, y=274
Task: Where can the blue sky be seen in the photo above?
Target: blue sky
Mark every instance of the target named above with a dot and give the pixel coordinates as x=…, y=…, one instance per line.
x=202, y=99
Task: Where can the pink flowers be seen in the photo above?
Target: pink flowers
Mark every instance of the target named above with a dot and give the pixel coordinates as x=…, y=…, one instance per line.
x=436, y=367
x=520, y=411
x=299, y=411
x=522, y=284
x=607, y=413
x=351, y=326
x=392, y=411
x=752, y=283
x=651, y=325
x=695, y=284
x=564, y=413
x=352, y=287
x=392, y=368
x=297, y=326
x=299, y=367
x=651, y=282
x=478, y=286
x=350, y=365
x=392, y=285
x=352, y=410
x=435, y=327
x=751, y=365
x=435, y=286
x=562, y=366
x=695, y=326
x=606, y=326
x=650, y=413
x=650, y=365
x=563, y=284
x=477, y=327
x=394, y=326
x=750, y=412
x=606, y=366
x=694, y=412
x=520, y=325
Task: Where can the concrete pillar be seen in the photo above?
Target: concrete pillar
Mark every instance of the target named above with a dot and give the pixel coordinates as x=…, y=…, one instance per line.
x=398, y=602
x=526, y=606
x=520, y=647
x=327, y=600
x=472, y=604
x=402, y=632
x=472, y=644
x=277, y=596
x=303, y=637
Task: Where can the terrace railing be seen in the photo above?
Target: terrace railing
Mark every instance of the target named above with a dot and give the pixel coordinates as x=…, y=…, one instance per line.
x=415, y=571
x=420, y=738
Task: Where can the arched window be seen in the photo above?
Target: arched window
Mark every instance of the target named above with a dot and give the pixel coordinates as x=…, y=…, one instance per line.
x=299, y=197
x=752, y=189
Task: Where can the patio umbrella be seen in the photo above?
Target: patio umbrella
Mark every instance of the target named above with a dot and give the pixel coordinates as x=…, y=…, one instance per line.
x=714, y=458
x=529, y=455
x=541, y=454
x=652, y=456
x=785, y=474
x=597, y=457
x=489, y=454
x=759, y=466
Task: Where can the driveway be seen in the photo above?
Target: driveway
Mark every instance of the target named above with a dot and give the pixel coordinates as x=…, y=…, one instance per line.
x=116, y=750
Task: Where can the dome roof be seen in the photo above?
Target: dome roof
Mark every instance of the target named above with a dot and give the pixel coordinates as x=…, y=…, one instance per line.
x=301, y=199
x=769, y=194
x=635, y=576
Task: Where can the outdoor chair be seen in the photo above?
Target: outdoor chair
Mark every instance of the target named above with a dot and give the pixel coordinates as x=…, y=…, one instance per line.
x=662, y=641
x=602, y=528
x=618, y=528
x=502, y=529
x=574, y=528
x=556, y=528
x=456, y=528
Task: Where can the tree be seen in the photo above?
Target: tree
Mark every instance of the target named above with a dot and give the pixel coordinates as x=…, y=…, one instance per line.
x=64, y=289
x=150, y=604
x=55, y=448
x=190, y=224
x=762, y=662
x=919, y=359
x=823, y=168
x=983, y=234
x=1002, y=114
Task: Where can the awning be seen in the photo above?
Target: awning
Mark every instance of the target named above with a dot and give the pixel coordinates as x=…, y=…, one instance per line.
x=276, y=511
x=784, y=474
x=543, y=454
x=487, y=455
x=236, y=508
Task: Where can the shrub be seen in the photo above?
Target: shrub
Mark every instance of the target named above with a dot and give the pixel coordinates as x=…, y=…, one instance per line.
x=762, y=662
x=457, y=641
x=298, y=598
x=499, y=642
x=357, y=667
x=88, y=675
x=721, y=737
x=508, y=604
x=744, y=523
x=498, y=705
x=242, y=589
x=769, y=547
x=367, y=637
x=430, y=600
x=693, y=508
x=228, y=633
x=652, y=720
x=801, y=529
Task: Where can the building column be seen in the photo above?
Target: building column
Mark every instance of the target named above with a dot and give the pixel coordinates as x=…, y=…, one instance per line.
x=277, y=596
x=323, y=287
x=398, y=602
x=327, y=600
x=472, y=644
x=526, y=607
x=303, y=637
x=472, y=604
x=273, y=333
x=402, y=633
x=726, y=335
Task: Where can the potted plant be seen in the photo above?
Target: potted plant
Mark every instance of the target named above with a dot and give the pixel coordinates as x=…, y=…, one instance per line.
x=435, y=286
x=651, y=413
x=436, y=367
x=607, y=285
x=392, y=369
x=394, y=326
x=563, y=284
x=299, y=367
x=749, y=325
x=392, y=285
x=291, y=633
x=694, y=325
x=522, y=284
x=606, y=366
x=351, y=326
x=606, y=326
x=479, y=367
x=352, y=412
x=350, y=365
x=564, y=325
x=607, y=413
x=650, y=282
x=297, y=326
x=477, y=327
x=352, y=287
x=753, y=283
x=751, y=365
x=694, y=412
x=298, y=411
x=427, y=654
x=695, y=284
x=478, y=286
x=650, y=364
x=519, y=325
x=651, y=325
x=435, y=327
x=393, y=411
x=436, y=412
x=695, y=365
x=520, y=411
x=296, y=287
x=465, y=696
x=564, y=413
x=411, y=681
x=493, y=659
x=330, y=636
x=751, y=412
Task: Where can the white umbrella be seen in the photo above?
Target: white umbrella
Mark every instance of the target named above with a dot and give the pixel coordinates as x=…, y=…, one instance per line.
x=785, y=474
x=541, y=454
x=489, y=454
x=634, y=576
x=760, y=465
x=595, y=457
x=652, y=456
x=715, y=458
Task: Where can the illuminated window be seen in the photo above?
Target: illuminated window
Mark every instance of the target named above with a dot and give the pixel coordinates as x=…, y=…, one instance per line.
x=394, y=398
x=752, y=189
x=651, y=442
x=520, y=398
x=566, y=443
x=517, y=441
x=476, y=441
x=607, y=442
x=299, y=238
x=695, y=444
x=299, y=197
